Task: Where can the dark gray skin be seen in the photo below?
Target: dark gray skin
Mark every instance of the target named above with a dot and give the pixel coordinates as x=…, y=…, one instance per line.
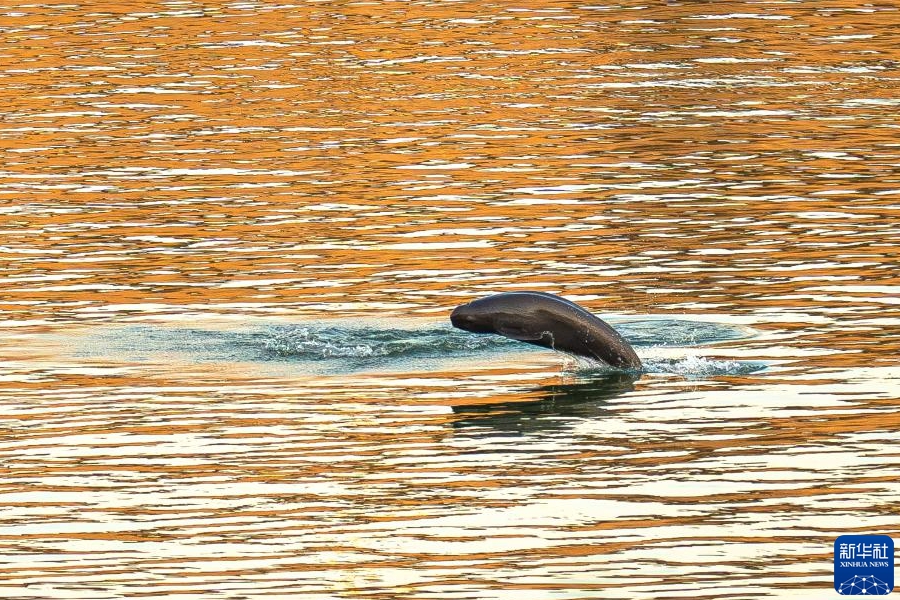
x=547, y=320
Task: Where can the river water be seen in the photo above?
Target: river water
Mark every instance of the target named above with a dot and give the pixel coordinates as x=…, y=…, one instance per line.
x=232, y=233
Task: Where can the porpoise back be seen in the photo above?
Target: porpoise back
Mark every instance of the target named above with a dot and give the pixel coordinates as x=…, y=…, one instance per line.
x=550, y=321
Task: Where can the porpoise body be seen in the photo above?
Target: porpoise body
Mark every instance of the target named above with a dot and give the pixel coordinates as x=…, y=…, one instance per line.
x=550, y=321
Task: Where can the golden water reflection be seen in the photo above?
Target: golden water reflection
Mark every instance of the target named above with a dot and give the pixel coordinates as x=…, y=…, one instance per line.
x=177, y=165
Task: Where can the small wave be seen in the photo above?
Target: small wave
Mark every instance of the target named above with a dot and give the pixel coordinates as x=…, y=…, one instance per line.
x=689, y=367
x=678, y=332
x=313, y=341
x=699, y=367
x=318, y=342
x=335, y=346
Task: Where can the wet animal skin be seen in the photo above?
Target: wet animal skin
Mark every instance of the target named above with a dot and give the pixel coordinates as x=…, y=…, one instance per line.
x=550, y=321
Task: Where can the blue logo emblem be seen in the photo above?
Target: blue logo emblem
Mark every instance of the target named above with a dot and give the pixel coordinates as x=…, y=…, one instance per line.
x=864, y=565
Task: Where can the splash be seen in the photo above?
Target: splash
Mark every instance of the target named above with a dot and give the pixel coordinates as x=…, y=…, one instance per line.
x=373, y=345
x=335, y=342
x=700, y=367
x=688, y=366
x=342, y=341
x=338, y=346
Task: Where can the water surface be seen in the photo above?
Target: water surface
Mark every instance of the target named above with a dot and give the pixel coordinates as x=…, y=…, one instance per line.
x=231, y=233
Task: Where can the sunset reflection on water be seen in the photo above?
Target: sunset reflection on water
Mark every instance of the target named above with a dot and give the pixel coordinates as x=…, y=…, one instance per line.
x=231, y=234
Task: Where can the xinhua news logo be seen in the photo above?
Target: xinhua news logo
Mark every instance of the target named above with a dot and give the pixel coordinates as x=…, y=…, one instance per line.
x=863, y=565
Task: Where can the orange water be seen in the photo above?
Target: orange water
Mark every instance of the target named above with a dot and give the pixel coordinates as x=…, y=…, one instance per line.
x=223, y=166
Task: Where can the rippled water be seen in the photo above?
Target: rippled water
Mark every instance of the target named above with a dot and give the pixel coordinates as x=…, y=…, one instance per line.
x=231, y=234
